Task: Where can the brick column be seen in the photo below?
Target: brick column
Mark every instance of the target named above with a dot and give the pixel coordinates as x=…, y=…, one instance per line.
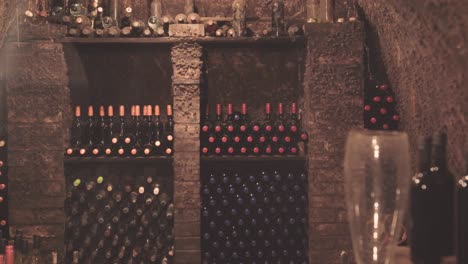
x=333, y=91
x=36, y=80
x=186, y=61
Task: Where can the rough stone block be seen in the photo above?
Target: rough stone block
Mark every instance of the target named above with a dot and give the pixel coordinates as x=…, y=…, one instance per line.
x=183, y=215
x=187, y=256
x=36, y=137
x=186, y=30
x=187, y=229
x=187, y=130
x=187, y=243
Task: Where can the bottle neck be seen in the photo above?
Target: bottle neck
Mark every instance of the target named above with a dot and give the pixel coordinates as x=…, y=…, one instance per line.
x=440, y=158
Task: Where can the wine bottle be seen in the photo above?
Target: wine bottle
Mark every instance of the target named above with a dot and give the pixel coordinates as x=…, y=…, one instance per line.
x=422, y=193
x=279, y=123
x=111, y=135
x=292, y=125
x=210, y=28
x=150, y=134
x=119, y=140
x=138, y=26
x=167, y=20
x=244, y=122
x=137, y=133
x=98, y=20
x=181, y=19
x=90, y=133
x=222, y=31
x=126, y=20
x=77, y=134
x=193, y=18
x=462, y=212
x=207, y=126
x=169, y=130
x=98, y=148
x=444, y=205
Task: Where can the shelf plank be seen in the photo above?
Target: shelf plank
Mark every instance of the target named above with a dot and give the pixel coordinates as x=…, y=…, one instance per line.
x=126, y=160
x=224, y=159
x=170, y=40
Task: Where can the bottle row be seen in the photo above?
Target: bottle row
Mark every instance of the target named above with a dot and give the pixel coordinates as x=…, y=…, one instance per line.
x=103, y=19
x=439, y=202
x=19, y=250
x=236, y=134
x=107, y=223
x=138, y=134
x=254, y=216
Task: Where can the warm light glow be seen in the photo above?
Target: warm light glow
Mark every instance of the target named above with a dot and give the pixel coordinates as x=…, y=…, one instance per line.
x=376, y=148
x=376, y=235
x=375, y=254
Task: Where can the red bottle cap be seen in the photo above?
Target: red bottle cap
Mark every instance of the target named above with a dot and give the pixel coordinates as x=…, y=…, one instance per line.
x=244, y=108
x=281, y=128
x=218, y=109
x=205, y=128
x=256, y=128
x=243, y=150
x=224, y=139
x=82, y=151
x=207, y=110
x=294, y=150
x=218, y=128
x=377, y=99
x=211, y=139
x=149, y=110
x=268, y=150
x=385, y=126
x=205, y=150
x=304, y=136
x=229, y=109
x=280, y=108
x=230, y=128
x=108, y=151
x=268, y=128
x=274, y=139
x=231, y=150
x=373, y=120
x=69, y=152
x=237, y=139
x=243, y=128
x=396, y=117
x=367, y=108
x=287, y=139
x=293, y=108
x=293, y=129
x=281, y=150
x=2, y=186
x=95, y=151
x=78, y=111
x=169, y=110
x=389, y=99
x=383, y=111
x=256, y=150
x=267, y=108
x=262, y=139
x=102, y=111
x=383, y=87
x=218, y=150
x=250, y=139
x=90, y=111
x=157, y=111
x=121, y=110
x=110, y=110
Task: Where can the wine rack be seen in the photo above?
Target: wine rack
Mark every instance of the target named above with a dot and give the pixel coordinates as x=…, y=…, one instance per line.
x=4, y=223
x=254, y=213
x=129, y=219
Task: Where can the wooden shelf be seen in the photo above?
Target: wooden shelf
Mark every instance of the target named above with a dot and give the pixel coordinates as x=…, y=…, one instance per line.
x=126, y=160
x=170, y=40
x=252, y=158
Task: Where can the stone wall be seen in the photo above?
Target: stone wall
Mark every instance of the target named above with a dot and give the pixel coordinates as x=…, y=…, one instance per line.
x=333, y=94
x=421, y=48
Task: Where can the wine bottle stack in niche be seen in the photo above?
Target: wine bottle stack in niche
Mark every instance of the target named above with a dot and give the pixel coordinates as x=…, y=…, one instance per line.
x=122, y=223
x=3, y=181
x=113, y=133
x=254, y=215
x=237, y=134
x=380, y=112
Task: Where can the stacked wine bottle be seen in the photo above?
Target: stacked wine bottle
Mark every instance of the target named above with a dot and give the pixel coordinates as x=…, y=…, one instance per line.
x=237, y=135
x=254, y=216
x=380, y=111
x=118, y=224
x=129, y=136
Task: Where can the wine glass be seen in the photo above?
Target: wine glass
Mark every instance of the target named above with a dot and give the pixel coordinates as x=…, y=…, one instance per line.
x=377, y=180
